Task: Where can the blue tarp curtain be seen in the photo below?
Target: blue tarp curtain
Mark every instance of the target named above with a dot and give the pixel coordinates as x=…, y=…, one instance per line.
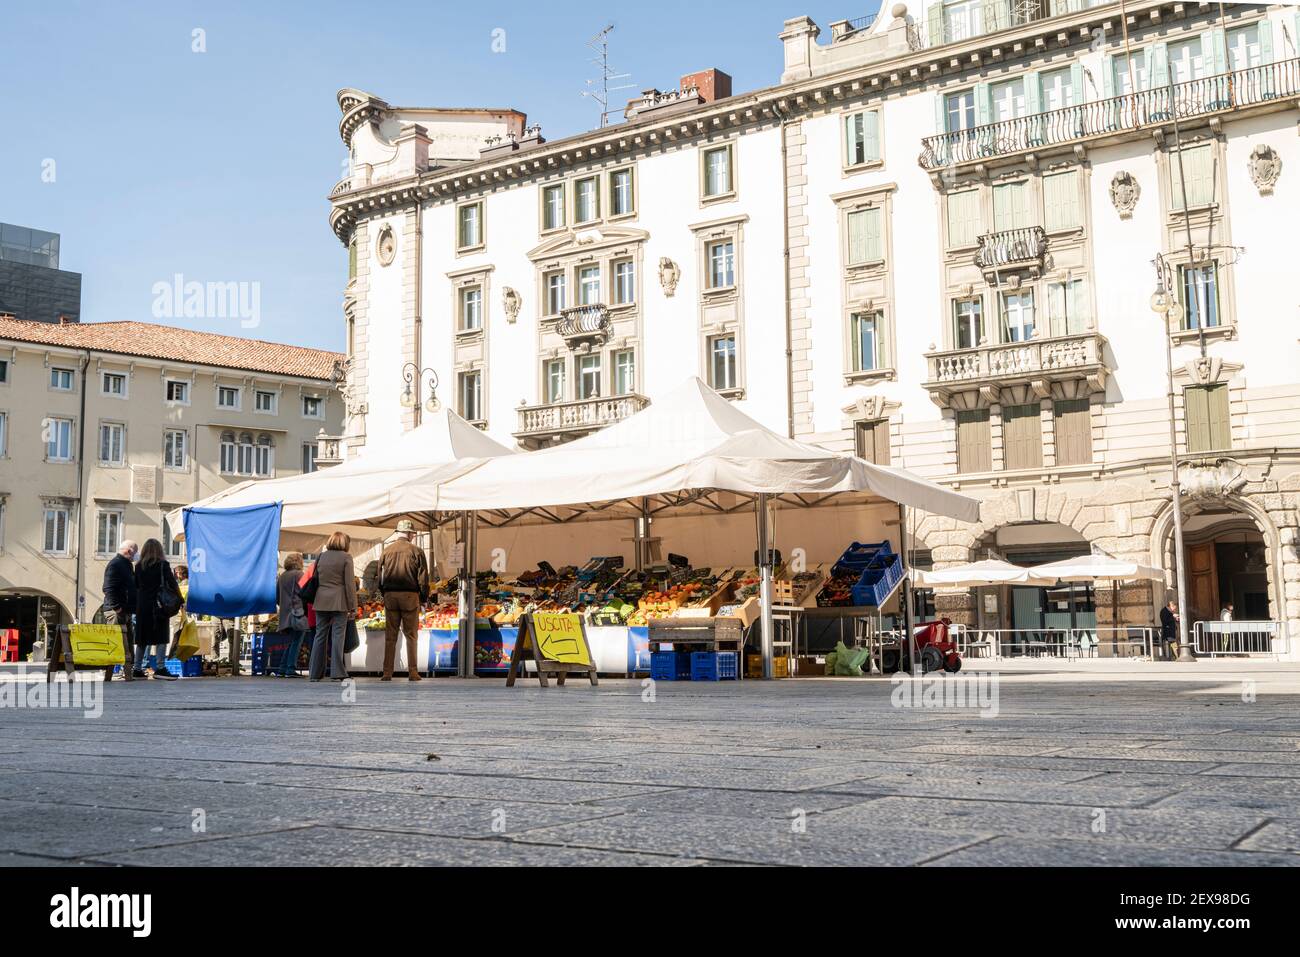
x=232, y=558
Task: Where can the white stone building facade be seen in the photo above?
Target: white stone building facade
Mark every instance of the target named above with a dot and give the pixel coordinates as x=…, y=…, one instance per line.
x=932, y=241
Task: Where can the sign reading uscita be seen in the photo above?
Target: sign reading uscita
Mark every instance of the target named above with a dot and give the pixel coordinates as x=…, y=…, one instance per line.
x=557, y=643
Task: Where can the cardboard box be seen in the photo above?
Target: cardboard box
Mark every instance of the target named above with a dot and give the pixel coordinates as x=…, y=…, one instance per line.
x=709, y=607
x=748, y=612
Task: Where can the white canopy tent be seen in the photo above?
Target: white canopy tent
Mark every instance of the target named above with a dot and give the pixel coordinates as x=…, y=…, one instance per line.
x=690, y=449
x=363, y=496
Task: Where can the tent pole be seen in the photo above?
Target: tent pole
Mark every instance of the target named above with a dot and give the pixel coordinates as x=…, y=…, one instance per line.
x=905, y=593
x=765, y=585
x=468, y=600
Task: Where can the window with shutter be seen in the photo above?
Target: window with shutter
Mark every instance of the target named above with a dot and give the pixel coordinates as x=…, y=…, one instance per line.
x=963, y=218
x=974, y=442
x=1061, y=201
x=865, y=244
x=1072, y=422
x=1207, y=418
x=1010, y=206
x=873, y=441
x=1022, y=436
x=1198, y=165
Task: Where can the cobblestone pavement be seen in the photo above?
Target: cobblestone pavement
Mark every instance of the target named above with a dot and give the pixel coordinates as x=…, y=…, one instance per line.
x=1088, y=764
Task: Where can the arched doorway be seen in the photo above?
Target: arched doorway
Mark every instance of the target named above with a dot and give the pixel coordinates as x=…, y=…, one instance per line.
x=1228, y=554
x=33, y=614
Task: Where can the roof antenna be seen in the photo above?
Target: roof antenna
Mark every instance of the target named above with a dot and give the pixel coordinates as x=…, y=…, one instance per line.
x=599, y=88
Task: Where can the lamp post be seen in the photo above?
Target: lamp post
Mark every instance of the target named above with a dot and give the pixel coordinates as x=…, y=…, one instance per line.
x=411, y=375
x=1164, y=303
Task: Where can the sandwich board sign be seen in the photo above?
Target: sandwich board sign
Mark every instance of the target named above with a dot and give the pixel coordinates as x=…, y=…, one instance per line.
x=557, y=644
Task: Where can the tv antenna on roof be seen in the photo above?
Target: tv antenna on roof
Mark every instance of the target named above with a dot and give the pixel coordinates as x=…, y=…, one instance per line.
x=599, y=88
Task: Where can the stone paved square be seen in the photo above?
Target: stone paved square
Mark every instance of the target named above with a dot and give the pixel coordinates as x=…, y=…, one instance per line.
x=1090, y=763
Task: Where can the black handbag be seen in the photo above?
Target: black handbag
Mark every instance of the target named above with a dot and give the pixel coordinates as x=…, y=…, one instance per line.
x=168, y=601
x=352, y=638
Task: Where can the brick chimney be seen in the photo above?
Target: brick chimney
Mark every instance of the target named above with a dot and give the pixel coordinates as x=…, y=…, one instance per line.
x=713, y=84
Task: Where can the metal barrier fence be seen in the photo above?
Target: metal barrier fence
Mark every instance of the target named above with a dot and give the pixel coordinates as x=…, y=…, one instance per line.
x=1069, y=643
x=1237, y=638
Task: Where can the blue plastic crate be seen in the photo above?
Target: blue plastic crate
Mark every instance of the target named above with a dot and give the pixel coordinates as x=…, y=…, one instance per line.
x=192, y=667
x=713, y=666
x=860, y=555
x=878, y=579
x=670, y=665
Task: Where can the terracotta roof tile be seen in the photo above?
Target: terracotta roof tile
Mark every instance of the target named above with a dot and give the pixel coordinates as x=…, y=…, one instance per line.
x=174, y=344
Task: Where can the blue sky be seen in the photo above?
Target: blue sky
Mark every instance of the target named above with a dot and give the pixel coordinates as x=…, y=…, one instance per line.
x=216, y=165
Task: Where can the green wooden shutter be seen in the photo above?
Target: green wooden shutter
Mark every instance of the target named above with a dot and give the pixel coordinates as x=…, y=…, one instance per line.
x=1076, y=82
x=1197, y=416
x=872, y=237
x=934, y=23
x=1061, y=200
x=1214, y=51
x=1198, y=164
x=1108, y=76
x=1010, y=206
x=1266, y=39
x=1220, y=427
x=1079, y=305
x=1056, y=305
x=940, y=112
x=1159, y=72
x=1033, y=92
x=871, y=135
x=983, y=104
x=963, y=217
x=883, y=358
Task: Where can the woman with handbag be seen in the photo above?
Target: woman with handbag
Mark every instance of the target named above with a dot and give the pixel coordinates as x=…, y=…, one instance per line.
x=158, y=598
x=335, y=585
x=293, y=614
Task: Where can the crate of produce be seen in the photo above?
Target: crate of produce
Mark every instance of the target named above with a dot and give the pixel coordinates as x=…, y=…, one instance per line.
x=670, y=665
x=713, y=666
x=860, y=554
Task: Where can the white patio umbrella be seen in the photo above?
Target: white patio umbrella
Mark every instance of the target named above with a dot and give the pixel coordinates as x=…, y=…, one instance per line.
x=991, y=571
x=1098, y=568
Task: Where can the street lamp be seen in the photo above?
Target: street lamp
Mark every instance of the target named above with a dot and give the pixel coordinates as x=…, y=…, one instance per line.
x=411, y=375
x=1164, y=303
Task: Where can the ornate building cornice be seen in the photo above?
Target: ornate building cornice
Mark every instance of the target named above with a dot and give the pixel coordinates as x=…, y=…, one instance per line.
x=915, y=70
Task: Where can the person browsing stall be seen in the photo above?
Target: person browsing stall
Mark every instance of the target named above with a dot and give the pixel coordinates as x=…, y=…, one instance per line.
x=404, y=583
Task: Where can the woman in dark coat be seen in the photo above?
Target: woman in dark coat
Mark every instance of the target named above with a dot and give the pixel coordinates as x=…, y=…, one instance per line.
x=151, y=627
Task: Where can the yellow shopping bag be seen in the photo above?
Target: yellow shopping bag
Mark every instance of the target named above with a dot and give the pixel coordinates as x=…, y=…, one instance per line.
x=186, y=645
x=97, y=646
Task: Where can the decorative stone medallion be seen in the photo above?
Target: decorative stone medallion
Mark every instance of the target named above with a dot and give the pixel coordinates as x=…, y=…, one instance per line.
x=1125, y=193
x=386, y=246
x=1265, y=167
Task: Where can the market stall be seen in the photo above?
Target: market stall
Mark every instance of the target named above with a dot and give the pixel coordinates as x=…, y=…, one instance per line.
x=691, y=453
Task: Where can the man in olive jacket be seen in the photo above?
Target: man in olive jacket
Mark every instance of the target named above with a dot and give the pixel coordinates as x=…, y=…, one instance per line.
x=404, y=583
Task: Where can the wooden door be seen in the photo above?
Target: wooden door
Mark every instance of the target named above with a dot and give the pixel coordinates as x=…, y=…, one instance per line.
x=1202, y=584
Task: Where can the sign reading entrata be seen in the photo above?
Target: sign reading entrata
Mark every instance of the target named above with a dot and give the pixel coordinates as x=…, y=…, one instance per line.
x=556, y=643
x=97, y=646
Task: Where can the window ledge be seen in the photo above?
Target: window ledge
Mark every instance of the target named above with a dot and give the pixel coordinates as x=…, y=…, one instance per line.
x=866, y=376
x=733, y=394
x=875, y=265
x=1185, y=336
x=866, y=167
x=719, y=198
x=470, y=250
x=468, y=333
x=718, y=292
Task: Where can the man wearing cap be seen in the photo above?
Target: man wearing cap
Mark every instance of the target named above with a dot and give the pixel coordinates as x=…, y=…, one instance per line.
x=404, y=583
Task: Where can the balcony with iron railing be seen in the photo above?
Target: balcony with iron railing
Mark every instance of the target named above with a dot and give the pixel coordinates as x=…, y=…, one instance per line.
x=541, y=425
x=1039, y=361
x=584, y=326
x=943, y=25
x=1012, y=249
x=1270, y=84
